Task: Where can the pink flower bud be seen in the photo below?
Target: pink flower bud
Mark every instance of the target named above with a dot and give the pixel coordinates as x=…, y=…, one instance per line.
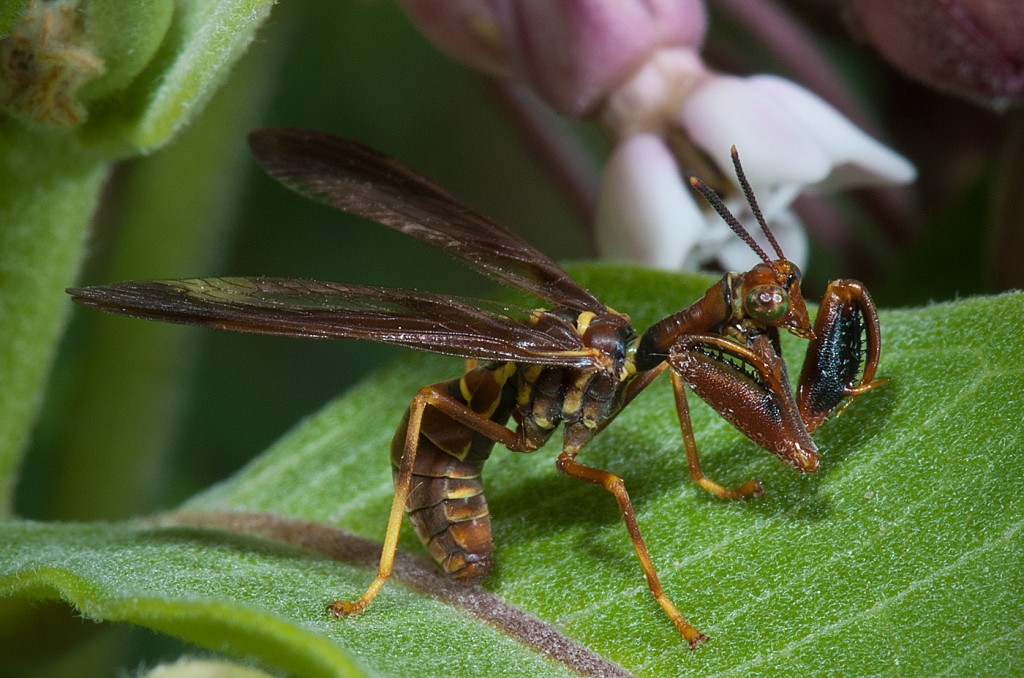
x=572, y=52
x=973, y=48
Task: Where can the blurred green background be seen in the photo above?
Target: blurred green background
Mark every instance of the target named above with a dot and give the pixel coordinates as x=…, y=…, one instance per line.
x=360, y=70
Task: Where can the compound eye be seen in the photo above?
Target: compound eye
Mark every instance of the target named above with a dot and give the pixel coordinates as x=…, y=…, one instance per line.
x=766, y=303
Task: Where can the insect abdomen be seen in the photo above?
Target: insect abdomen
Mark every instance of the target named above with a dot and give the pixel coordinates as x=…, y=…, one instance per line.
x=446, y=503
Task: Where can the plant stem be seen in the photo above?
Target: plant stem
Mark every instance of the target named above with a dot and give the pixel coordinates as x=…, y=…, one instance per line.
x=46, y=209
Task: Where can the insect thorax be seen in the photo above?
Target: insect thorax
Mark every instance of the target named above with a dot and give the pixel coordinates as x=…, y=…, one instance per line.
x=579, y=400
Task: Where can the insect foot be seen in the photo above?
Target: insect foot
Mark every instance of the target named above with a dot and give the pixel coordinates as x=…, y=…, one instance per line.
x=343, y=608
x=692, y=636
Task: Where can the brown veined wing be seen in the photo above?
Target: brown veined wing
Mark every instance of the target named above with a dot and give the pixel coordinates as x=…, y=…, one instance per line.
x=469, y=328
x=365, y=182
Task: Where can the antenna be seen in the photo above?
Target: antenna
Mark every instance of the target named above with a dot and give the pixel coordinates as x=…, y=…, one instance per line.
x=752, y=201
x=734, y=224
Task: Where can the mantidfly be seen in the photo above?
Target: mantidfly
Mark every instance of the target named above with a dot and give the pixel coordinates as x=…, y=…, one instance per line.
x=576, y=364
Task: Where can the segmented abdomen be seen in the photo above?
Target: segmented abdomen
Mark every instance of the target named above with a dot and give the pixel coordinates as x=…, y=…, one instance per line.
x=446, y=503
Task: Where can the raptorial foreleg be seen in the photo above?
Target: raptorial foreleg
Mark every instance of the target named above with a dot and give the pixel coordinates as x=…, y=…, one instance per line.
x=843, y=356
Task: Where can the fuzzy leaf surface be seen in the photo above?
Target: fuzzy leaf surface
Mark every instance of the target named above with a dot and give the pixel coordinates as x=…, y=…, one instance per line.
x=900, y=556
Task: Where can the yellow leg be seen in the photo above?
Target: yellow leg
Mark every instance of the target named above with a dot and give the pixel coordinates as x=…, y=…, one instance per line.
x=747, y=489
x=403, y=480
x=568, y=465
x=429, y=396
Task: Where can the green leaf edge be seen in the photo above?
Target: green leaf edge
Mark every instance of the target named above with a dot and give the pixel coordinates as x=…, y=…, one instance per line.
x=261, y=635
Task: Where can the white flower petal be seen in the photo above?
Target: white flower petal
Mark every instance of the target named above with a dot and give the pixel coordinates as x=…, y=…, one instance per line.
x=645, y=214
x=857, y=157
x=775, y=149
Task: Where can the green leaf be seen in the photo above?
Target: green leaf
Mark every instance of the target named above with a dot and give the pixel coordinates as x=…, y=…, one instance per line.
x=205, y=39
x=127, y=35
x=900, y=556
x=9, y=11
